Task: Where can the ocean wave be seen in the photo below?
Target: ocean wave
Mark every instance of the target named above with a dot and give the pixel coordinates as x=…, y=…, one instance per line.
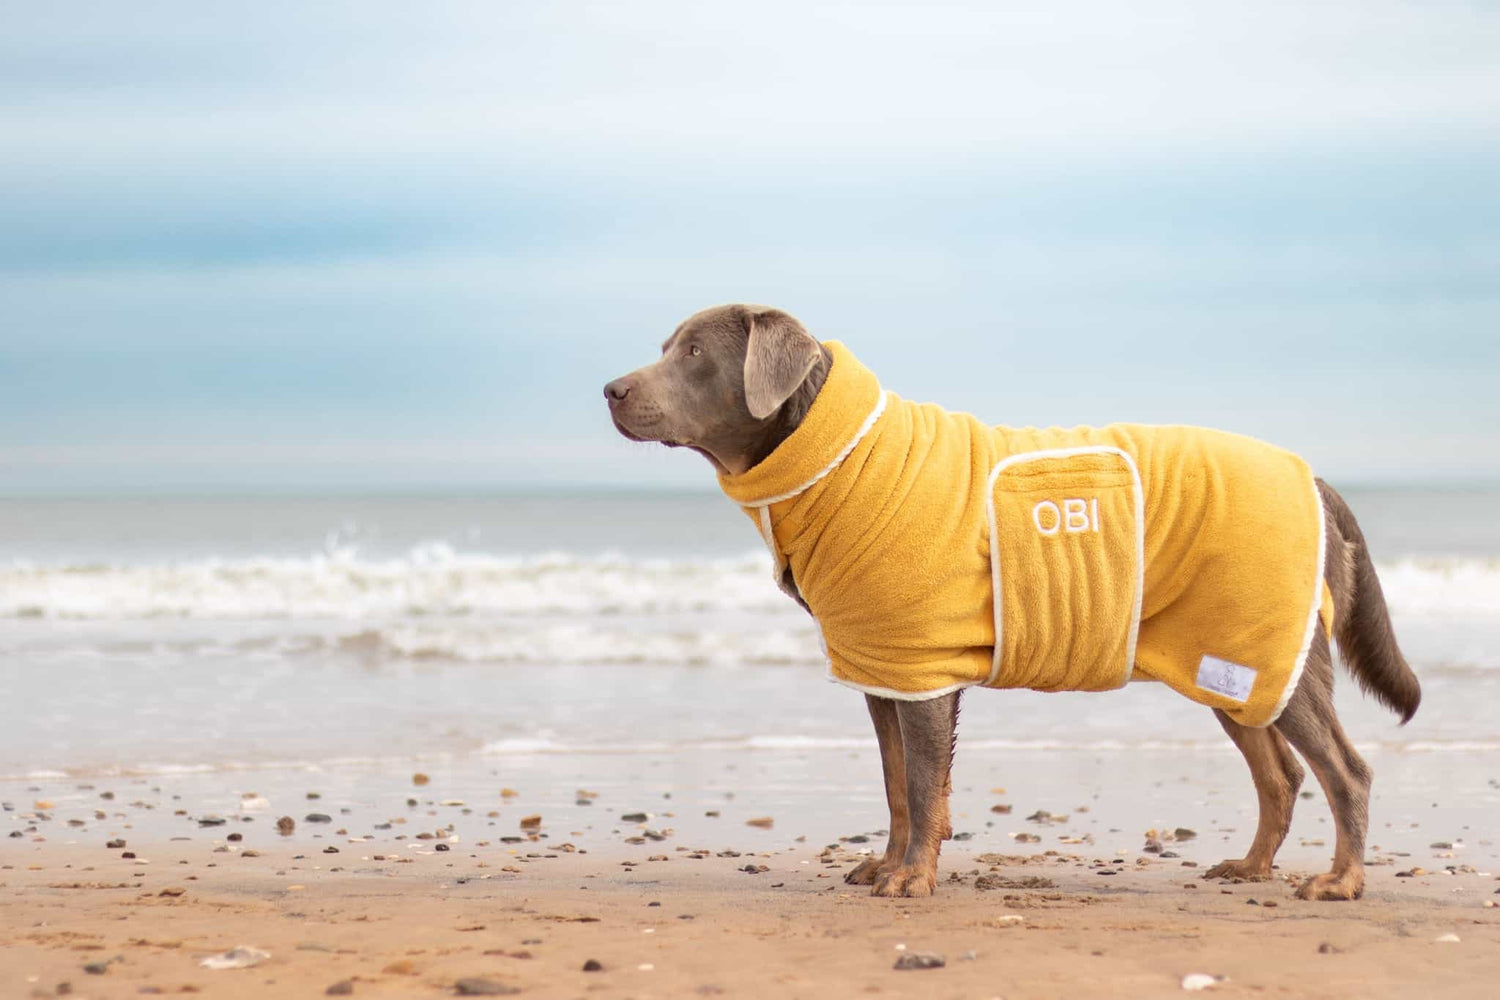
x=1442, y=588
x=583, y=644
x=732, y=745
x=435, y=581
x=431, y=580
x=788, y=640
x=514, y=643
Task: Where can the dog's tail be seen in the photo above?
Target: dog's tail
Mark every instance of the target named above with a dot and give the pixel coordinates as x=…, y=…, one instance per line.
x=1367, y=643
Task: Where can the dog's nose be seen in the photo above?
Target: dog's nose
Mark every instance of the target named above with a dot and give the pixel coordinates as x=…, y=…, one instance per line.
x=617, y=390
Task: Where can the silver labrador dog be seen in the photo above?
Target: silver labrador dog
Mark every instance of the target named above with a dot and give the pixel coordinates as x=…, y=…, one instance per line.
x=734, y=382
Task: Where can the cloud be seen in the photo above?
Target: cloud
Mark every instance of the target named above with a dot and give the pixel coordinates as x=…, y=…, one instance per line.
x=782, y=86
x=421, y=236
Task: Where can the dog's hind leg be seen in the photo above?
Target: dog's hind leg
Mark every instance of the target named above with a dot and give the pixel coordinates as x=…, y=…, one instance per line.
x=927, y=733
x=1312, y=728
x=1277, y=777
x=893, y=762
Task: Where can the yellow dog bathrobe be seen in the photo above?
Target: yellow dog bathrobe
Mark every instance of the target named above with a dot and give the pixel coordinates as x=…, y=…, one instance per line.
x=939, y=553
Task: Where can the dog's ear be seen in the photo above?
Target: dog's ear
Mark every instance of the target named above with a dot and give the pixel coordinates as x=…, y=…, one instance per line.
x=778, y=356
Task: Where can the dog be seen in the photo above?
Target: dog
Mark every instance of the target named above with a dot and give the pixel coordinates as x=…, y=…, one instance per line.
x=750, y=389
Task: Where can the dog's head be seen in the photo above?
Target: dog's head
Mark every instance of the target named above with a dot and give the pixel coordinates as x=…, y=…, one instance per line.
x=731, y=383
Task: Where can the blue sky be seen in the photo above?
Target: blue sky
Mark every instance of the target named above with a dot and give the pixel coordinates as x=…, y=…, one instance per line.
x=400, y=247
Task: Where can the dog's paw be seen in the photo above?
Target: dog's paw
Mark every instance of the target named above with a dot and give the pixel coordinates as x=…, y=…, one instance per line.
x=904, y=881
x=1239, y=869
x=1348, y=885
x=866, y=872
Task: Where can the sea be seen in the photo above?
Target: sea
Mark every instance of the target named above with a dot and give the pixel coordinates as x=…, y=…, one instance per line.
x=144, y=636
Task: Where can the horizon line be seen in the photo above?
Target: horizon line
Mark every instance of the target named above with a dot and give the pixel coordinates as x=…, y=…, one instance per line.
x=564, y=491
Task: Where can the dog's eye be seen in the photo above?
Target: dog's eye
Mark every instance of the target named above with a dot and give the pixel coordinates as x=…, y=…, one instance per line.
x=695, y=350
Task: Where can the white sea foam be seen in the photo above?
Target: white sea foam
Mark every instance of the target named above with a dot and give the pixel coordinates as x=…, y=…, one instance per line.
x=786, y=640
x=599, y=645
x=436, y=604
x=1442, y=588
x=435, y=582
x=431, y=580
x=766, y=743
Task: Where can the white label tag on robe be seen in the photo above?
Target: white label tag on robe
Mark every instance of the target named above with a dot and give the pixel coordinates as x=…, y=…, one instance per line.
x=1222, y=677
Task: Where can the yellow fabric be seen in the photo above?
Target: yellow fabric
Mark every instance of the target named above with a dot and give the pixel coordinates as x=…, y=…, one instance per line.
x=1064, y=556
x=881, y=509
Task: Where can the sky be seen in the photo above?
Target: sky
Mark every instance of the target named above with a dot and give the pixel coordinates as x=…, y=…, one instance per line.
x=394, y=247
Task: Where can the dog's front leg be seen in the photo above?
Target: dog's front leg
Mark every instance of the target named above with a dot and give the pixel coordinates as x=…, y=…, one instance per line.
x=893, y=763
x=927, y=732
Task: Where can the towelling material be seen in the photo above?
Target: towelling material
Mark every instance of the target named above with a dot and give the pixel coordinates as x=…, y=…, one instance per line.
x=939, y=553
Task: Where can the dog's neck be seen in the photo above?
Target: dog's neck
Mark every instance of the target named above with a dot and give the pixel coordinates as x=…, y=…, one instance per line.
x=790, y=416
x=746, y=448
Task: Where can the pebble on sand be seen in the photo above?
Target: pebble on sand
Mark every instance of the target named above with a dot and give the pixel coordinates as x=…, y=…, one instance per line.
x=420, y=779
x=593, y=965
x=285, y=825
x=920, y=960
x=1043, y=816
x=763, y=822
x=531, y=822
x=1195, y=981
x=239, y=957
x=342, y=988
x=476, y=987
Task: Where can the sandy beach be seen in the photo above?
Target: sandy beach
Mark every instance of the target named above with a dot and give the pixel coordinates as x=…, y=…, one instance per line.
x=402, y=887
x=683, y=928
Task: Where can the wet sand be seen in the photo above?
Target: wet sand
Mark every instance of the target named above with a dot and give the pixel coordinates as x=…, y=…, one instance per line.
x=409, y=888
